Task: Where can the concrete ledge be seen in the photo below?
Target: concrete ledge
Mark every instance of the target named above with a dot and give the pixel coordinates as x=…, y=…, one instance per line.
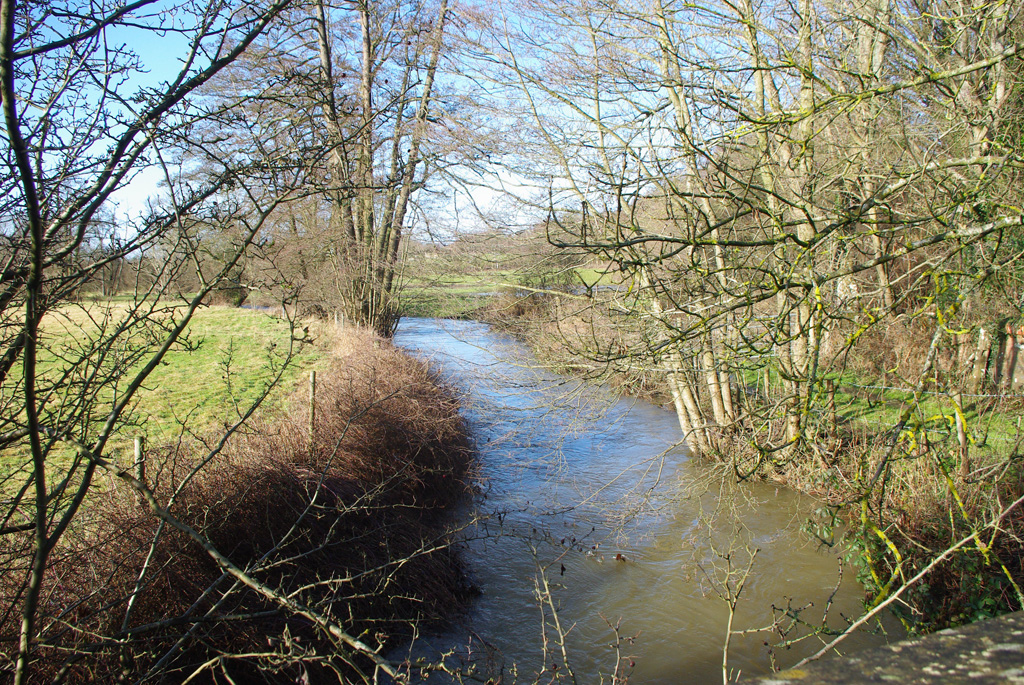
x=989, y=651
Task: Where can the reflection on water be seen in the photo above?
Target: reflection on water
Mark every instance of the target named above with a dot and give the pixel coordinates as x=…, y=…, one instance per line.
x=593, y=497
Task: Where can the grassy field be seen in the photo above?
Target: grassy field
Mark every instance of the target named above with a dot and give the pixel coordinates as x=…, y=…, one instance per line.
x=239, y=352
x=228, y=358
x=458, y=296
x=871, y=404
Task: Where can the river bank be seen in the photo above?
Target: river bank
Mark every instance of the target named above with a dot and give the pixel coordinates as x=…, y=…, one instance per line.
x=351, y=523
x=602, y=551
x=901, y=477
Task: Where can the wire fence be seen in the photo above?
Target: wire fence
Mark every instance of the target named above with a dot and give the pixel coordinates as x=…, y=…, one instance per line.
x=945, y=393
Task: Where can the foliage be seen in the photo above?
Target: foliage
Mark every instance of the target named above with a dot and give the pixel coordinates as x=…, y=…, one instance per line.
x=349, y=528
x=812, y=242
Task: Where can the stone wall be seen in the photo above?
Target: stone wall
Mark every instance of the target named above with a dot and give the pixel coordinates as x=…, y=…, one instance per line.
x=985, y=652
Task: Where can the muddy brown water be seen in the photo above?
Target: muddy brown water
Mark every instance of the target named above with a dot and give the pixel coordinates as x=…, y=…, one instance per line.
x=594, y=496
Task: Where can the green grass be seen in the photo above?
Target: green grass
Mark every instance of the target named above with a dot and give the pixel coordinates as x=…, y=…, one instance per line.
x=483, y=281
x=450, y=296
x=991, y=426
x=873, y=404
x=227, y=358
x=595, y=277
x=490, y=279
x=457, y=296
x=227, y=362
x=441, y=304
x=238, y=352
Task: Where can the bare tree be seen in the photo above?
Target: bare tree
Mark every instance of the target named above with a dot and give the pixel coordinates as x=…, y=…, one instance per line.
x=784, y=197
x=357, y=82
x=77, y=128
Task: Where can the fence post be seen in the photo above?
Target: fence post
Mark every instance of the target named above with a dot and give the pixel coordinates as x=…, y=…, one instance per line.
x=140, y=464
x=312, y=411
x=961, y=436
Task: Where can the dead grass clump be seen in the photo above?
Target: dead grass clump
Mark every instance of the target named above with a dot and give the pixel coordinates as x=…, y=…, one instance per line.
x=397, y=430
x=894, y=352
x=981, y=580
x=353, y=528
x=583, y=343
x=921, y=505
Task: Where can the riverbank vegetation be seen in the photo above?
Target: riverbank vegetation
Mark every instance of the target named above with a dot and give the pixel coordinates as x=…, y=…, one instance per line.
x=934, y=494
x=812, y=217
x=800, y=224
x=347, y=523
x=819, y=265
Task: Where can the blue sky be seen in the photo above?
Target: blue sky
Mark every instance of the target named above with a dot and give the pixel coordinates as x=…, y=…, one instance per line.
x=161, y=59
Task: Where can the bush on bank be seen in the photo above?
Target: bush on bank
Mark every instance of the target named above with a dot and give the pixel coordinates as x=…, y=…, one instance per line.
x=350, y=523
x=927, y=497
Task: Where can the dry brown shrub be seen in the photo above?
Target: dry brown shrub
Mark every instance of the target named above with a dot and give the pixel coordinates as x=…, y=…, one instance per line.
x=354, y=527
x=972, y=584
x=897, y=348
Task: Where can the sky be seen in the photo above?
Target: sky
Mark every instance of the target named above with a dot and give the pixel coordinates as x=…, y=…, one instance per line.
x=161, y=58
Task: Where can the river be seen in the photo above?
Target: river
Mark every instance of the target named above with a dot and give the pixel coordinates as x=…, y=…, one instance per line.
x=594, y=496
